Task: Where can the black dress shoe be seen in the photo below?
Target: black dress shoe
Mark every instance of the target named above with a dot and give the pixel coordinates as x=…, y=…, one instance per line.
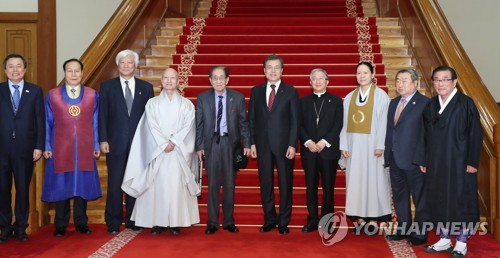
x=59, y=232
x=309, y=228
x=158, y=230
x=175, y=231
x=210, y=230
x=396, y=237
x=283, y=230
x=136, y=228
x=6, y=234
x=416, y=241
x=83, y=229
x=231, y=228
x=267, y=228
x=22, y=236
x=113, y=231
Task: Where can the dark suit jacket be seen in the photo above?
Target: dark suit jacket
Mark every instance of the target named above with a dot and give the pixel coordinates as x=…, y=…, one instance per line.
x=330, y=125
x=401, y=140
x=280, y=127
x=237, y=124
x=115, y=125
x=29, y=122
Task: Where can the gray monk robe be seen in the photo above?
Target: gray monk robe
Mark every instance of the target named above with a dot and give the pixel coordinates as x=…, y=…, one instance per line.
x=452, y=141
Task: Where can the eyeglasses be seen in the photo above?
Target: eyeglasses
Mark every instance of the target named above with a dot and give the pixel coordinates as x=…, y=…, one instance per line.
x=441, y=81
x=220, y=78
x=321, y=79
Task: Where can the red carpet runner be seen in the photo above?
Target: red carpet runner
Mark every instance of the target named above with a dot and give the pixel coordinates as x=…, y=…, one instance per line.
x=332, y=35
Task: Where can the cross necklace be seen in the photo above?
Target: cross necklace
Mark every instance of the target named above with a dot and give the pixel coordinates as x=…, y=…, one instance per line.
x=318, y=113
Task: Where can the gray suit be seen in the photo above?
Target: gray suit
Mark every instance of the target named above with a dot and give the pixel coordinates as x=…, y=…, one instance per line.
x=219, y=156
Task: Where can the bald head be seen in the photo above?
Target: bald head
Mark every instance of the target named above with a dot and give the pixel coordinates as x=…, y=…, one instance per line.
x=169, y=79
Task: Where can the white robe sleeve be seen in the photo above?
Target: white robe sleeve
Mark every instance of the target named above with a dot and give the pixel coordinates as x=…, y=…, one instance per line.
x=142, y=157
x=382, y=105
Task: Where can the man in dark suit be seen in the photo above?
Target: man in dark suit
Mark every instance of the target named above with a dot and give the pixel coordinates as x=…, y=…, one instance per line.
x=22, y=140
x=321, y=116
x=274, y=125
x=221, y=125
x=122, y=102
x=404, y=128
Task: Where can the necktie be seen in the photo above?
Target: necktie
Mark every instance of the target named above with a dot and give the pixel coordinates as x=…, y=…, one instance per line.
x=73, y=92
x=219, y=117
x=400, y=110
x=271, y=98
x=128, y=97
x=16, y=97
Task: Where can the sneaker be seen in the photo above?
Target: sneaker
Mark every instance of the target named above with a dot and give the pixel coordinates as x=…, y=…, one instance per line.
x=444, y=244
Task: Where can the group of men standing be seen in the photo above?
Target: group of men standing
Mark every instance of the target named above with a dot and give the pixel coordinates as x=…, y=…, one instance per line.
x=431, y=147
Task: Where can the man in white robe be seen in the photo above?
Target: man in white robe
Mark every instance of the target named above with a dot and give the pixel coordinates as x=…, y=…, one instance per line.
x=162, y=162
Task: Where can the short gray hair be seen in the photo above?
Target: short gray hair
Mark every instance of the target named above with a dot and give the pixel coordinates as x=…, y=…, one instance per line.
x=318, y=70
x=127, y=52
x=412, y=72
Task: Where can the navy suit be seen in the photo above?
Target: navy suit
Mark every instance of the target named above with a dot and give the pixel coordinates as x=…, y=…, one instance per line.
x=16, y=154
x=400, y=146
x=219, y=156
x=117, y=128
x=273, y=132
x=331, y=112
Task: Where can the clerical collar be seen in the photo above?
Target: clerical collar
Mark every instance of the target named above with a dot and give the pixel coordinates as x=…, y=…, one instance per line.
x=319, y=94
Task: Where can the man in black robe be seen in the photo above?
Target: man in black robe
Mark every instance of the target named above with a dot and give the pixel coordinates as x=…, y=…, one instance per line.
x=449, y=157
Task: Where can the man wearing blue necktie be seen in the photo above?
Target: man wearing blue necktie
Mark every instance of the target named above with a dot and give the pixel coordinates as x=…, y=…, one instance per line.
x=22, y=139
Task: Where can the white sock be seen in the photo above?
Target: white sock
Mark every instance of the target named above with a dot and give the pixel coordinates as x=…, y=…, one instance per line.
x=443, y=242
x=461, y=247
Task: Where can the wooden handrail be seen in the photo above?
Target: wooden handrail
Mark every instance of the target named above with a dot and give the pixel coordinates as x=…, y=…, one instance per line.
x=109, y=36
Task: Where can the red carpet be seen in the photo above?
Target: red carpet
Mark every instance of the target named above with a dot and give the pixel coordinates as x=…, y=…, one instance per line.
x=194, y=243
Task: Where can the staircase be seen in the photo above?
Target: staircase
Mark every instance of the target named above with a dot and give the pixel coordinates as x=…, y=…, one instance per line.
x=239, y=34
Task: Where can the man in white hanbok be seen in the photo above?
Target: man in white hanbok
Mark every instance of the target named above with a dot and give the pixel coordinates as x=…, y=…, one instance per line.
x=162, y=162
x=362, y=142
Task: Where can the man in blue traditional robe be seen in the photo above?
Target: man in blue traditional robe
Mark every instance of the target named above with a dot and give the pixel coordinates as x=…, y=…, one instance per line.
x=71, y=149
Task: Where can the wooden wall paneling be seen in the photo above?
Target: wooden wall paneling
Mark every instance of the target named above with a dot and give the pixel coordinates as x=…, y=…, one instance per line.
x=47, y=56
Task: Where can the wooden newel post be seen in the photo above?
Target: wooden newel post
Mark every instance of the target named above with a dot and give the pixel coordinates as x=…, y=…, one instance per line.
x=496, y=213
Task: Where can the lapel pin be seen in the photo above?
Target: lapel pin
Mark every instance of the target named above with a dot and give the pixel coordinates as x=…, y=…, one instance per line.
x=139, y=93
x=329, y=100
x=27, y=91
x=414, y=102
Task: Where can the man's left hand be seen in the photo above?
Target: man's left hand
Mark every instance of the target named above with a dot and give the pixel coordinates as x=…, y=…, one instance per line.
x=290, y=153
x=246, y=152
x=37, y=154
x=471, y=169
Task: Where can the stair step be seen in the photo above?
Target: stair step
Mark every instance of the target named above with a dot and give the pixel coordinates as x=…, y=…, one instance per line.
x=298, y=69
